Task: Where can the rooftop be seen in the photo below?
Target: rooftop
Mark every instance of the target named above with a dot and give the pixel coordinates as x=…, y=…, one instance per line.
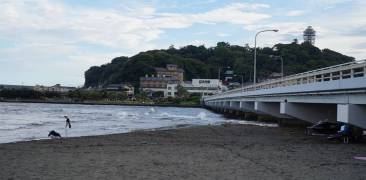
x=159, y=78
x=157, y=69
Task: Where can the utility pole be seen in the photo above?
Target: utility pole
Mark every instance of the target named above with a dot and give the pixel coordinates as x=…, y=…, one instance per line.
x=219, y=73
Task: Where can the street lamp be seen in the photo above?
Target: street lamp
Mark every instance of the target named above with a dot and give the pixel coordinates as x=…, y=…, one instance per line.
x=255, y=52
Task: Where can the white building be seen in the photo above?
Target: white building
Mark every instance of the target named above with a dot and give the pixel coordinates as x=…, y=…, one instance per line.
x=171, y=90
x=204, y=86
x=198, y=86
x=56, y=88
x=127, y=89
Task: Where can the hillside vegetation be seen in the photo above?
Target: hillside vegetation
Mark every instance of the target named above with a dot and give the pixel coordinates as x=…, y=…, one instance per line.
x=202, y=62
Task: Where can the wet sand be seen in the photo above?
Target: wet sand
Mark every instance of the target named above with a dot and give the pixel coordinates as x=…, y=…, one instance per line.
x=205, y=152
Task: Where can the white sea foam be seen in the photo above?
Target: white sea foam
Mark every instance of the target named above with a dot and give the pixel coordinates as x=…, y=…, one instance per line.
x=122, y=114
x=256, y=123
x=152, y=110
x=202, y=115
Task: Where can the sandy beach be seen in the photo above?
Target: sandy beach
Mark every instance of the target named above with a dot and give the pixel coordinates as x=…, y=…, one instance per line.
x=204, y=152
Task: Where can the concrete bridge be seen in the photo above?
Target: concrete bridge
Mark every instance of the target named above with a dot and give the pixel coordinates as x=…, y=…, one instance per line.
x=335, y=93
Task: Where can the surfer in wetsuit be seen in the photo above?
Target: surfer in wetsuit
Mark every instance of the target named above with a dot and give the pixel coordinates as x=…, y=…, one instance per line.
x=67, y=122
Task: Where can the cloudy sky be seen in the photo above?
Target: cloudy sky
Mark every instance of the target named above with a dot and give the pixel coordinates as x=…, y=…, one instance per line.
x=54, y=41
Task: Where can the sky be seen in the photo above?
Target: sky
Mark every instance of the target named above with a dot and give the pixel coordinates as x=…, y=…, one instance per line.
x=49, y=42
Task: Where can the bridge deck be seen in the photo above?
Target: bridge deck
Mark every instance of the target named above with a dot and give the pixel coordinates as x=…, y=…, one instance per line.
x=334, y=78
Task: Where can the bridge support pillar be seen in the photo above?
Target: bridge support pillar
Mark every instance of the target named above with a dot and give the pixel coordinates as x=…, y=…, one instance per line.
x=235, y=105
x=220, y=105
x=247, y=106
x=216, y=104
x=352, y=114
x=310, y=112
x=226, y=104
x=270, y=108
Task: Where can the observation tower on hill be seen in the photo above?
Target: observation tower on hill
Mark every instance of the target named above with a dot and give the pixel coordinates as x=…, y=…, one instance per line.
x=309, y=35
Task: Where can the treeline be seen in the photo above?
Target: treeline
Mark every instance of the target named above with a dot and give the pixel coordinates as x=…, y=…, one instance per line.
x=98, y=96
x=202, y=62
x=75, y=95
x=27, y=94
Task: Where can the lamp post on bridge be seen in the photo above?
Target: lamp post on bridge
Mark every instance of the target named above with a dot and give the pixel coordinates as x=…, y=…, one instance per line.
x=255, y=52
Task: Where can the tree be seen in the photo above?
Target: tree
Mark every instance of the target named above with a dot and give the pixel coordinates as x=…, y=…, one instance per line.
x=202, y=62
x=295, y=41
x=182, y=92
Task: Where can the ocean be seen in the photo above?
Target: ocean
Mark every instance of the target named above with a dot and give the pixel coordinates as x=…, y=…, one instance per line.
x=33, y=121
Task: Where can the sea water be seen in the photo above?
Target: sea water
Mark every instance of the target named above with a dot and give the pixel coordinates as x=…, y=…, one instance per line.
x=33, y=121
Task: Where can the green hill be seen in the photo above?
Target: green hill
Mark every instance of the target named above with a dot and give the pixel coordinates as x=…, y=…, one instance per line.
x=202, y=62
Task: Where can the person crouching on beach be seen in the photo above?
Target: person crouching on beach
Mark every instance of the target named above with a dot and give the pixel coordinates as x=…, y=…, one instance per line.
x=54, y=135
x=67, y=122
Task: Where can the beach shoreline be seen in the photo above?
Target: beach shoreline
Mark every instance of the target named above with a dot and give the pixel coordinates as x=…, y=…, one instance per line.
x=200, y=152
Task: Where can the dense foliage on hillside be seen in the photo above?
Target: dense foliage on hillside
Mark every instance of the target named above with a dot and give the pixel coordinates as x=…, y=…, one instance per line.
x=26, y=94
x=202, y=62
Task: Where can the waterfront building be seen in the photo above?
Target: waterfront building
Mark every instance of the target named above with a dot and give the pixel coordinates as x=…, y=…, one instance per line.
x=168, y=79
x=228, y=75
x=171, y=90
x=40, y=88
x=204, y=86
x=171, y=70
x=125, y=88
x=155, y=84
x=55, y=88
x=164, y=81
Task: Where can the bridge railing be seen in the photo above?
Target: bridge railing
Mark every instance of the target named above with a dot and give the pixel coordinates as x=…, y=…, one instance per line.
x=338, y=72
